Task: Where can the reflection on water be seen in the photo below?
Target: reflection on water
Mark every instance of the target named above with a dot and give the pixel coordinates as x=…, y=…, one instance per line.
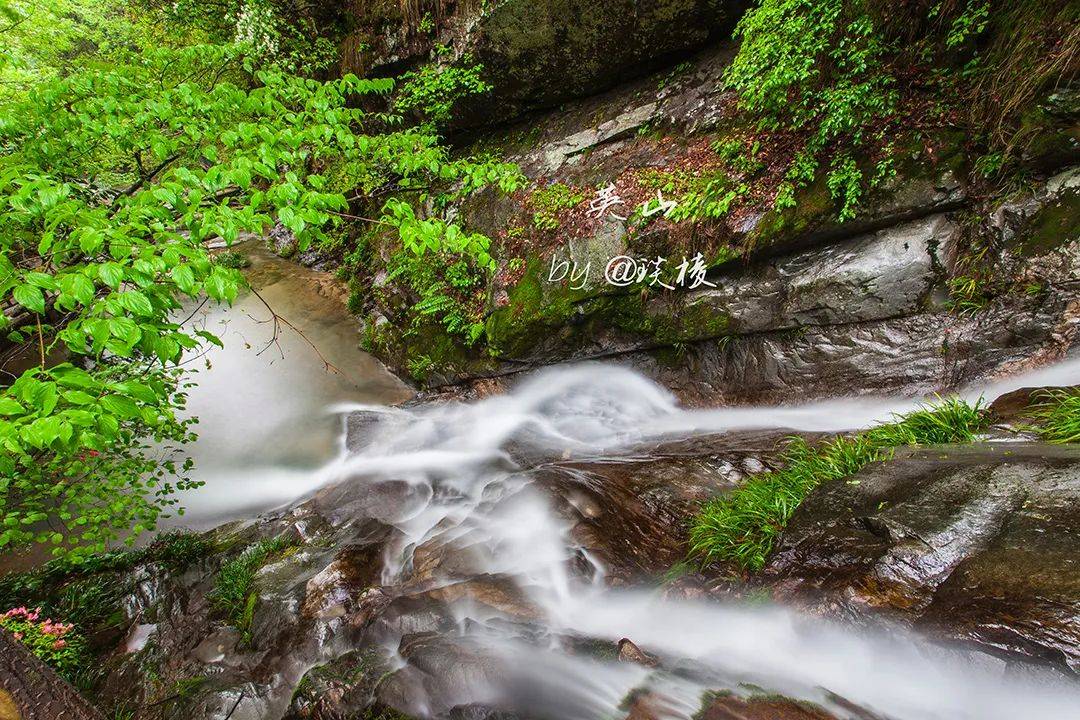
x=263, y=404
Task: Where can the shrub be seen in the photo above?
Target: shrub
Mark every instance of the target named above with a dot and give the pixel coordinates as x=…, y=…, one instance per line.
x=816, y=66
x=54, y=643
x=432, y=90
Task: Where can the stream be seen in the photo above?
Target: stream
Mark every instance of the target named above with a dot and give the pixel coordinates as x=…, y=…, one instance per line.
x=467, y=495
x=458, y=485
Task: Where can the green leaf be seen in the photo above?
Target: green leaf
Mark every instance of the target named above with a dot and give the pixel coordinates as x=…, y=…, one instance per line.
x=91, y=240
x=184, y=277
x=134, y=301
x=10, y=406
x=120, y=406
x=30, y=297
x=112, y=274
x=44, y=431
x=78, y=397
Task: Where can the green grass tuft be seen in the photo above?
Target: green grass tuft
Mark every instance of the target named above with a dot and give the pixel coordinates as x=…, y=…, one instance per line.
x=742, y=527
x=1056, y=415
x=234, y=593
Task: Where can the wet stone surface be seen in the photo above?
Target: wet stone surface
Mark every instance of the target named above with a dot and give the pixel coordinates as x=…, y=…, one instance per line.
x=976, y=544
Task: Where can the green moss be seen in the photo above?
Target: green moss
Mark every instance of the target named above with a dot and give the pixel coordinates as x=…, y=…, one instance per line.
x=812, y=206
x=533, y=306
x=232, y=259
x=1054, y=225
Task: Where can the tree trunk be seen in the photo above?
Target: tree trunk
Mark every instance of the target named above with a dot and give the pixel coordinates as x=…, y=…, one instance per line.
x=31, y=690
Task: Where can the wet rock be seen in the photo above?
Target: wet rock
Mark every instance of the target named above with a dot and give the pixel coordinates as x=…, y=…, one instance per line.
x=727, y=707
x=645, y=705
x=481, y=712
x=536, y=53
x=919, y=354
x=281, y=241
x=631, y=653
x=884, y=275
x=441, y=673
x=631, y=514
x=338, y=588
x=497, y=594
x=976, y=544
x=342, y=688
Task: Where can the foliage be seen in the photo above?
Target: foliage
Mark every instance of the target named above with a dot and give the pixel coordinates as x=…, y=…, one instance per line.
x=420, y=236
x=420, y=367
x=817, y=67
x=43, y=39
x=743, y=526
x=450, y=292
x=1056, y=415
x=1033, y=49
x=112, y=180
x=709, y=194
x=54, y=643
x=712, y=200
x=551, y=200
x=232, y=259
x=89, y=590
x=433, y=90
x=235, y=593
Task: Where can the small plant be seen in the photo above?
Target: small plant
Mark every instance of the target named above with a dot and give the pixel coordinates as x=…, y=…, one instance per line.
x=740, y=158
x=742, y=527
x=712, y=201
x=550, y=201
x=968, y=295
x=420, y=367
x=433, y=90
x=449, y=293
x=232, y=259
x=951, y=420
x=54, y=643
x=235, y=593
x=817, y=67
x=1056, y=415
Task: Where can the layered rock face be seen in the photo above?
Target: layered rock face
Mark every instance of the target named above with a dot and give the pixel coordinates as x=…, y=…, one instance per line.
x=802, y=303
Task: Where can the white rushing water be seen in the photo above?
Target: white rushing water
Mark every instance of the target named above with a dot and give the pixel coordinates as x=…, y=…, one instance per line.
x=467, y=493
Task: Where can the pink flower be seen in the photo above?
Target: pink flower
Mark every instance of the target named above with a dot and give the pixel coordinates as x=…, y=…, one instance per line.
x=59, y=644
x=18, y=636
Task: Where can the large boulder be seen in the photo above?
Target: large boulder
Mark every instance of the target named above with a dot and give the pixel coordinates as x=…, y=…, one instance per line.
x=535, y=53
x=975, y=543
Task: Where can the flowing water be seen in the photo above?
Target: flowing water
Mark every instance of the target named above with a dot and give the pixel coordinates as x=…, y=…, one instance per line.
x=264, y=400
x=471, y=497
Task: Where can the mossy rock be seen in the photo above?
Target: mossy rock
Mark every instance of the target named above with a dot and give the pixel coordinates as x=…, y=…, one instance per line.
x=538, y=53
x=925, y=181
x=1054, y=225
